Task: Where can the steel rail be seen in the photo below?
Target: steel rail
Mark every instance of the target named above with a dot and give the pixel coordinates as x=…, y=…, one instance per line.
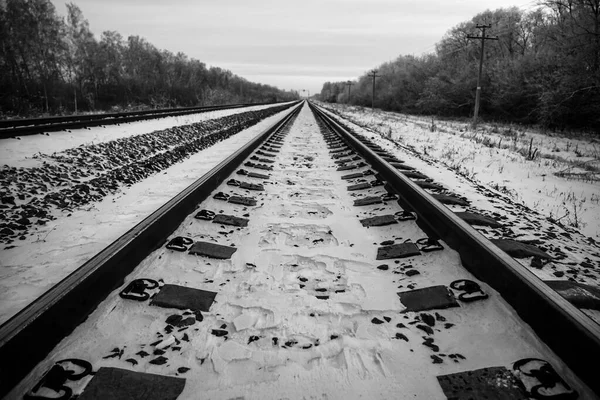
x=572, y=335
x=29, y=336
x=23, y=127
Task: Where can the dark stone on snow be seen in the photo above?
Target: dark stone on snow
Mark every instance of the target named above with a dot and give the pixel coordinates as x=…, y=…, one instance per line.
x=183, y=298
x=429, y=298
x=436, y=359
x=412, y=272
x=212, y=250
x=7, y=231
x=428, y=319
x=376, y=321
x=159, y=360
x=383, y=267
x=425, y=328
x=116, y=383
x=219, y=332
x=8, y=200
x=173, y=319
x=496, y=383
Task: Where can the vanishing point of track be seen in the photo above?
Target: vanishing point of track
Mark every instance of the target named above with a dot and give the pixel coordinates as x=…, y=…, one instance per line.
x=397, y=210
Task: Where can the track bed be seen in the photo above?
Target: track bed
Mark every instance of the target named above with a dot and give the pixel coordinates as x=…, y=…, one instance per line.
x=323, y=287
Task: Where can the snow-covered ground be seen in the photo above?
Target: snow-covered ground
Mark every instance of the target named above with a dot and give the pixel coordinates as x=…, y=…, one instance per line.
x=303, y=309
x=575, y=257
x=497, y=156
x=63, y=244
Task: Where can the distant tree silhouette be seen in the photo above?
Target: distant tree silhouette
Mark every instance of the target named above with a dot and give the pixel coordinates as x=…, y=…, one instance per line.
x=53, y=65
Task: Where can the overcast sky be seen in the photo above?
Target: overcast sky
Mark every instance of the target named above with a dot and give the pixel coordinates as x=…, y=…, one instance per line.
x=296, y=44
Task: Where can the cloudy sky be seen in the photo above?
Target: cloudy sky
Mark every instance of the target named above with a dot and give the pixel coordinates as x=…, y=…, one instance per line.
x=289, y=44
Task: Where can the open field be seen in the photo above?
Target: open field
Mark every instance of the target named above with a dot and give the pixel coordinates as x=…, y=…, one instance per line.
x=558, y=176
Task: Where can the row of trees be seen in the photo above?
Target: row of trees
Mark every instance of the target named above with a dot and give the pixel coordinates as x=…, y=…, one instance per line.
x=52, y=65
x=544, y=69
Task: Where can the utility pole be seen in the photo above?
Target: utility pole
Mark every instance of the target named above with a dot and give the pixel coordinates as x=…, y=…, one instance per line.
x=349, y=84
x=373, y=74
x=483, y=38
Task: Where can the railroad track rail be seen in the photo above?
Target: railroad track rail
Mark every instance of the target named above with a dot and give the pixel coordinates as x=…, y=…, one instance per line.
x=32, y=126
x=307, y=263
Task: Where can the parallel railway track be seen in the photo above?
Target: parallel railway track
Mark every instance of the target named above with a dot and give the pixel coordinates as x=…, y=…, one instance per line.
x=297, y=279
x=32, y=126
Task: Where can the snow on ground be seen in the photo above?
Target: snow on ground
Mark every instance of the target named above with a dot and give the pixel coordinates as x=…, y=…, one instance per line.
x=268, y=335
x=497, y=156
x=61, y=245
x=20, y=152
x=575, y=257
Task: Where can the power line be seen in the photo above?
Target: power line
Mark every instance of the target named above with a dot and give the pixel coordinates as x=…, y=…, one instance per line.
x=483, y=38
x=373, y=74
x=349, y=84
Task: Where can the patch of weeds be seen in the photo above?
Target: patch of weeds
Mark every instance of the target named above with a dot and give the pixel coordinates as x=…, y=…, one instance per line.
x=529, y=153
x=388, y=134
x=505, y=190
x=488, y=141
x=432, y=127
x=449, y=154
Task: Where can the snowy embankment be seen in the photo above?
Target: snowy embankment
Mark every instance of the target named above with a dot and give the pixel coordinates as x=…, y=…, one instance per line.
x=574, y=256
x=559, y=177
x=68, y=195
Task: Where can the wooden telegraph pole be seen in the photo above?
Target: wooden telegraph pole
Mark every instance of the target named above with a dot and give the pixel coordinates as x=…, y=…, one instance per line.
x=349, y=84
x=483, y=38
x=373, y=74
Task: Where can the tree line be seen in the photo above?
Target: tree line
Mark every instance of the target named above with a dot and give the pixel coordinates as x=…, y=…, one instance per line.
x=53, y=65
x=543, y=69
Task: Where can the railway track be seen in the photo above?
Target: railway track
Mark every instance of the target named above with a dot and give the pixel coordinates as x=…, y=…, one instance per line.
x=32, y=126
x=308, y=264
